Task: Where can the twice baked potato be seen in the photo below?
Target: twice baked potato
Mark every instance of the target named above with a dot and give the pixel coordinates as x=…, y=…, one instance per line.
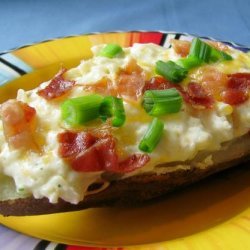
x=127, y=125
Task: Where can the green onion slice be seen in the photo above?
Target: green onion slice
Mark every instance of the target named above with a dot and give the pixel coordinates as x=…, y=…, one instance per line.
x=161, y=102
x=171, y=71
x=217, y=55
x=189, y=62
x=77, y=111
x=200, y=50
x=152, y=136
x=207, y=53
x=111, y=50
x=113, y=107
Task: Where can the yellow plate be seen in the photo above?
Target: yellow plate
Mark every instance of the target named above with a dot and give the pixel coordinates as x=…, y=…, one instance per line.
x=213, y=214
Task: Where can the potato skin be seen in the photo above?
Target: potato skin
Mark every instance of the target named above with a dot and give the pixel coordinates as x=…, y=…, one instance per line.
x=126, y=192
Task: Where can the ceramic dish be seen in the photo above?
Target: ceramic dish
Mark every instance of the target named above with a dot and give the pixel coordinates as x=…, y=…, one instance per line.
x=213, y=214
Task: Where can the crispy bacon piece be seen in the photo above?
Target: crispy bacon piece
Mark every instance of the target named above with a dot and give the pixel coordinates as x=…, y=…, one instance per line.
x=213, y=81
x=132, y=163
x=74, y=143
x=234, y=96
x=237, y=90
x=131, y=81
x=19, y=124
x=160, y=83
x=87, y=153
x=100, y=156
x=181, y=47
x=232, y=89
x=198, y=96
x=57, y=87
x=239, y=81
x=103, y=87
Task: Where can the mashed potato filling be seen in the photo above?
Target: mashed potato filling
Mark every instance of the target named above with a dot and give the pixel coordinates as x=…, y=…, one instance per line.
x=185, y=133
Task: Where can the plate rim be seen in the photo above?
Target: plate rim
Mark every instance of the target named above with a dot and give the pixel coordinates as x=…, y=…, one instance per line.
x=234, y=44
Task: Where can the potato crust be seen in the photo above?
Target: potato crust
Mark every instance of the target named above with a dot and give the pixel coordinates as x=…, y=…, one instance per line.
x=126, y=192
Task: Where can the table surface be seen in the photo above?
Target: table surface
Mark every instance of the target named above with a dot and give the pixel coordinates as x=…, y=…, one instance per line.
x=28, y=21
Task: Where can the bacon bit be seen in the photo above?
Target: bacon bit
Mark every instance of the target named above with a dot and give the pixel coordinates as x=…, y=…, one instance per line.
x=29, y=112
x=19, y=125
x=131, y=81
x=98, y=157
x=132, y=67
x=158, y=83
x=239, y=81
x=104, y=87
x=57, y=87
x=232, y=89
x=198, y=96
x=74, y=143
x=133, y=162
x=234, y=96
x=87, y=153
x=213, y=81
x=237, y=91
x=181, y=47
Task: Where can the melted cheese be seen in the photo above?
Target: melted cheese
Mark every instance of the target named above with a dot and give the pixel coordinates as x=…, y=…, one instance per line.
x=185, y=134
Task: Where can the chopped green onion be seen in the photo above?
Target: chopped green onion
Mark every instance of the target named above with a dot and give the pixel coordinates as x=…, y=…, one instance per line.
x=77, y=111
x=200, y=50
x=152, y=136
x=189, y=62
x=161, y=102
x=111, y=50
x=226, y=56
x=113, y=107
x=207, y=53
x=217, y=55
x=171, y=71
